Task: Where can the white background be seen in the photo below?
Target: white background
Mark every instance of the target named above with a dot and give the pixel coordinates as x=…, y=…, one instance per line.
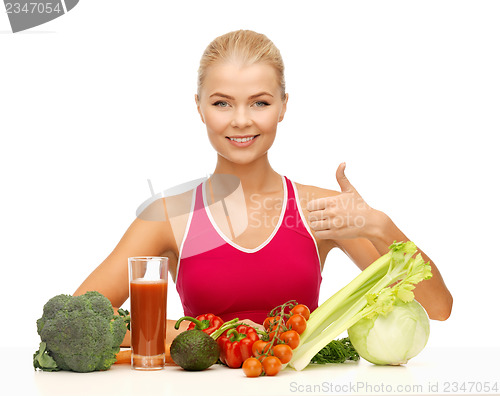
x=96, y=102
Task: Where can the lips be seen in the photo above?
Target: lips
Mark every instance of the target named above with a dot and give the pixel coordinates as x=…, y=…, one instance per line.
x=241, y=137
x=242, y=141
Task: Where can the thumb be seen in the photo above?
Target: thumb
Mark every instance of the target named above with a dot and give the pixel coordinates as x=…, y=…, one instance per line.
x=344, y=183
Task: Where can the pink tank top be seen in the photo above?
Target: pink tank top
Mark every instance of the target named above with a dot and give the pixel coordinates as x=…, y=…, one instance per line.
x=214, y=275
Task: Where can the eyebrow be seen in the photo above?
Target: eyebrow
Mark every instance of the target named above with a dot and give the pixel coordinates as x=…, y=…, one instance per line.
x=263, y=93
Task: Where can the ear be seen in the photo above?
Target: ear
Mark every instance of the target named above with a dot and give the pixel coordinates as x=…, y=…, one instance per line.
x=197, y=100
x=283, y=108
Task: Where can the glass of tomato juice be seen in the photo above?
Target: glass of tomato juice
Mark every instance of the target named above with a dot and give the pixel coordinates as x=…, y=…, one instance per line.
x=148, y=311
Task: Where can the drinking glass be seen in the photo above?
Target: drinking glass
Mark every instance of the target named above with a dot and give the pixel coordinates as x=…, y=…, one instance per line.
x=148, y=311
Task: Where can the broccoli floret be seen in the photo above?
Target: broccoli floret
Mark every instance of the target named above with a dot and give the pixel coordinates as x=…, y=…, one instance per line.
x=80, y=333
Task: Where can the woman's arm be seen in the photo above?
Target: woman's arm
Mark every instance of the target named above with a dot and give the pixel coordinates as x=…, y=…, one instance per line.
x=365, y=234
x=110, y=278
x=143, y=238
x=171, y=332
x=432, y=293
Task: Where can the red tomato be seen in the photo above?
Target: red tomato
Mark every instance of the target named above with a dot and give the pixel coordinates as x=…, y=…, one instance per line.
x=273, y=337
x=252, y=367
x=260, y=347
x=297, y=322
x=272, y=365
x=267, y=321
x=272, y=321
x=291, y=337
x=301, y=309
x=283, y=352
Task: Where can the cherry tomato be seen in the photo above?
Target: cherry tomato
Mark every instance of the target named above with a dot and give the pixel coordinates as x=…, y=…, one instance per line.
x=273, y=321
x=259, y=347
x=274, y=339
x=291, y=337
x=301, y=309
x=283, y=352
x=252, y=367
x=272, y=365
x=297, y=322
x=267, y=321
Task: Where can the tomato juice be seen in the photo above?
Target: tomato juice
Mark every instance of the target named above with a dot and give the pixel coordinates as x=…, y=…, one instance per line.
x=148, y=314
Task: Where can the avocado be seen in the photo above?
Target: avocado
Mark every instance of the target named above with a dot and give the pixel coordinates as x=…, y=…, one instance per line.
x=194, y=350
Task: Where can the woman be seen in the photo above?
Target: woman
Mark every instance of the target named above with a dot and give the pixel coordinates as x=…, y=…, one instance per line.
x=281, y=244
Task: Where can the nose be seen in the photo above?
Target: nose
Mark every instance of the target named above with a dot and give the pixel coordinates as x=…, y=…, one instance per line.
x=241, y=118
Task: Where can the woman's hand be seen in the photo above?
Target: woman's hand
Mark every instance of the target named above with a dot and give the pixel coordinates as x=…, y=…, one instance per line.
x=344, y=216
x=347, y=216
x=253, y=324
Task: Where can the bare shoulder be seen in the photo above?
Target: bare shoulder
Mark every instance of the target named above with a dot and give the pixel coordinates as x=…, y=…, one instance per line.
x=170, y=206
x=175, y=210
x=308, y=193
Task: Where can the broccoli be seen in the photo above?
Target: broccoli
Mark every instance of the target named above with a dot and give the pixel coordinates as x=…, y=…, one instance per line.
x=78, y=334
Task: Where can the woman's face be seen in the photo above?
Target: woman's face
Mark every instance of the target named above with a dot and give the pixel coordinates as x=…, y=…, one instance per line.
x=241, y=102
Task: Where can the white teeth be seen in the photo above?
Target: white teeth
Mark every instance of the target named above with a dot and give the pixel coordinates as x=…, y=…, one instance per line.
x=242, y=140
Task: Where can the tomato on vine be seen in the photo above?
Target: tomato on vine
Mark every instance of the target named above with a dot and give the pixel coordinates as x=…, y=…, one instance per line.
x=291, y=337
x=260, y=348
x=283, y=352
x=283, y=325
x=297, y=322
x=271, y=365
x=252, y=367
x=301, y=309
x=271, y=321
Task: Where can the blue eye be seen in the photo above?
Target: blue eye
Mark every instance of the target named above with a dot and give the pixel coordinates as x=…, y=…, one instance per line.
x=220, y=103
x=261, y=104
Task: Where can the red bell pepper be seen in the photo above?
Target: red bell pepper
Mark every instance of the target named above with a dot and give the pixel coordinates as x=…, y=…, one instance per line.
x=208, y=323
x=236, y=345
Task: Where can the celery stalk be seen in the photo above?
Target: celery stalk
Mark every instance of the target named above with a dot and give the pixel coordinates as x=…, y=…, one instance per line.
x=370, y=293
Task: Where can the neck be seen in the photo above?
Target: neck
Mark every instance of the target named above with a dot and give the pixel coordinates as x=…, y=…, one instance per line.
x=257, y=177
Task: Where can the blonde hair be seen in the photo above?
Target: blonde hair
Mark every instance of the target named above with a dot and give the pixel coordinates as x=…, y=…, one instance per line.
x=245, y=46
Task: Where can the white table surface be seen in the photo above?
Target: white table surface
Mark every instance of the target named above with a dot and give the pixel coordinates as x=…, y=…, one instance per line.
x=443, y=371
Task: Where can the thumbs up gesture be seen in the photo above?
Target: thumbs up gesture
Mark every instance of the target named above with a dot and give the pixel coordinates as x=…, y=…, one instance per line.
x=342, y=216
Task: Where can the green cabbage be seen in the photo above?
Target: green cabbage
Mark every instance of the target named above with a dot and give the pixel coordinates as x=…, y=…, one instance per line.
x=392, y=339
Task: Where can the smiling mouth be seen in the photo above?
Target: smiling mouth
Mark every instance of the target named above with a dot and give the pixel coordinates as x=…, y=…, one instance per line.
x=242, y=139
